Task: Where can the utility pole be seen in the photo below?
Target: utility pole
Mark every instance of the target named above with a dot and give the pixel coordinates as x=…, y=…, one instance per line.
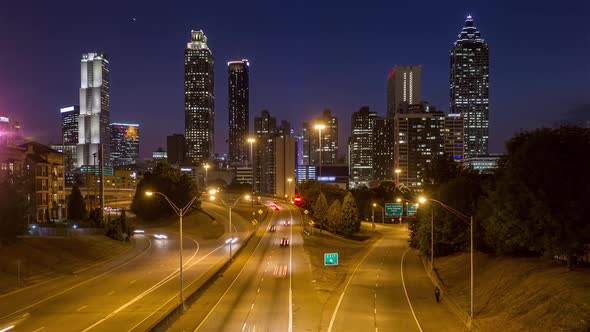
x=101, y=179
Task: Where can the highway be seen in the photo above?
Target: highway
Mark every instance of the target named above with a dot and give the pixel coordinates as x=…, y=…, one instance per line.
x=274, y=290
x=119, y=294
x=385, y=295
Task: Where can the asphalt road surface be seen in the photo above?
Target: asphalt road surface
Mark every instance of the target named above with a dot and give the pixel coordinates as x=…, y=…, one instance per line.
x=119, y=294
x=385, y=295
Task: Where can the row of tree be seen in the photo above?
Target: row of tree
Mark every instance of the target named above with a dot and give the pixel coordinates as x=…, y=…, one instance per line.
x=342, y=218
x=536, y=203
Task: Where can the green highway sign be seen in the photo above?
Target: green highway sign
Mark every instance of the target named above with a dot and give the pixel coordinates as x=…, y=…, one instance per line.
x=394, y=209
x=412, y=209
x=331, y=259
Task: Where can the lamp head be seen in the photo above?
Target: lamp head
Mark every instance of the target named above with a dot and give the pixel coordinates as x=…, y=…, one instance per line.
x=149, y=193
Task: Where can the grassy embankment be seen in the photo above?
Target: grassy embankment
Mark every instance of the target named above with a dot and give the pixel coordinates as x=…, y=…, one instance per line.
x=520, y=294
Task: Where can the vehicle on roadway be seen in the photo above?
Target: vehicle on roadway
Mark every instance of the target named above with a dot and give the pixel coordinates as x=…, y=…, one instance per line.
x=273, y=228
x=285, y=242
x=286, y=222
x=160, y=236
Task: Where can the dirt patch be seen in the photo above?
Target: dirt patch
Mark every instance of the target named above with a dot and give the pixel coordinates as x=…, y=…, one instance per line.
x=520, y=294
x=44, y=258
x=328, y=279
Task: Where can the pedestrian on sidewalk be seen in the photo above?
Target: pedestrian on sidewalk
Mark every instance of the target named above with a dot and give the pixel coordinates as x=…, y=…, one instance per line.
x=437, y=294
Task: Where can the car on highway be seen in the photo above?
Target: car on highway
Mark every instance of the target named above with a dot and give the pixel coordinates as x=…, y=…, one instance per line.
x=285, y=242
x=160, y=236
x=286, y=222
x=272, y=228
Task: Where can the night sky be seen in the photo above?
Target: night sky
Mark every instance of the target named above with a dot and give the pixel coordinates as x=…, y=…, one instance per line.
x=304, y=56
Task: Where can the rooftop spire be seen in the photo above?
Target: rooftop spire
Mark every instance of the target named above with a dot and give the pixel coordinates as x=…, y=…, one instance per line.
x=469, y=31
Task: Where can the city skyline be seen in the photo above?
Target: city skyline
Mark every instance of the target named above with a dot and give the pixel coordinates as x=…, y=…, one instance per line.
x=306, y=95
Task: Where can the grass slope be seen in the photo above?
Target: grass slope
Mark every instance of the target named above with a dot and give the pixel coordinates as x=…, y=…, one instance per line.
x=520, y=294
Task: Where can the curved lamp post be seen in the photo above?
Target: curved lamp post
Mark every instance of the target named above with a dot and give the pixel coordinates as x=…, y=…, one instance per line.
x=180, y=212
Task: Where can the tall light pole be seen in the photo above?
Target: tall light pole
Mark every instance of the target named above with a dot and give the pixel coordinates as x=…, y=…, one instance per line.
x=251, y=140
x=206, y=166
x=397, y=172
x=289, y=180
x=373, y=215
x=212, y=197
x=180, y=212
x=465, y=218
x=320, y=127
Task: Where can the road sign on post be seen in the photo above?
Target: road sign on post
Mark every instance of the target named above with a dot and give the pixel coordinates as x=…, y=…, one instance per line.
x=393, y=209
x=412, y=209
x=331, y=259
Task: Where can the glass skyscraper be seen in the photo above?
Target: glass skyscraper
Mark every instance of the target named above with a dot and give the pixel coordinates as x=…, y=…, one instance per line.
x=124, y=144
x=469, y=87
x=199, y=100
x=239, y=111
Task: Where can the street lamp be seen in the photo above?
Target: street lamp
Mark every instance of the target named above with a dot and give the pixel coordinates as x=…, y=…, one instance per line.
x=251, y=140
x=289, y=180
x=463, y=217
x=320, y=127
x=229, y=206
x=180, y=212
x=206, y=166
x=397, y=172
x=382, y=213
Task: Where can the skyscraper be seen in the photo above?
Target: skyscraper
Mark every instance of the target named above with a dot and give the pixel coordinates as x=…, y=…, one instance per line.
x=124, y=144
x=403, y=86
x=93, y=121
x=239, y=110
x=419, y=132
x=453, y=134
x=469, y=87
x=360, y=147
x=383, y=149
x=265, y=128
x=69, y=130
x=311, y=143
x=199, y=100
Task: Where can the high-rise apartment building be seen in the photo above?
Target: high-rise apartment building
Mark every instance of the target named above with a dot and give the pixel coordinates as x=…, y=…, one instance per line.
x=360, y=147
x=453, y=134
x=284, y=163
x=175, y=147
x=469, y=87
x=94, y=118
x=10, y=131
x=403, y=86
x=383, y=149
x=199, y=100
x=265, y=129
x=419, y=132
x=329, y=138
x=239, y=111
x=124, y=144
x=69, y=131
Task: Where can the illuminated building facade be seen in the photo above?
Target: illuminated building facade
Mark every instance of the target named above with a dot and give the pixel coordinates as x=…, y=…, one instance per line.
x=469, y=87
x=403, y=86
x=199, y=100
x=239, y=111
x=93, y=121
x=124, y=144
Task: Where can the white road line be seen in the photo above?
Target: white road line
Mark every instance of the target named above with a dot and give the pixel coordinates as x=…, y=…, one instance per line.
x=244, y=327
x=346, y=287
x=111, y=293
x=132, y=282
x=252, y=306
x=82, y=307
x=149, y=290
x=78, y=285
x=406, y=291
x=291, y=273
x=39, y=329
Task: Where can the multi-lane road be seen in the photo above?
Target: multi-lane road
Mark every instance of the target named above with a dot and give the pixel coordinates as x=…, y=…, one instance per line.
x=123, y=293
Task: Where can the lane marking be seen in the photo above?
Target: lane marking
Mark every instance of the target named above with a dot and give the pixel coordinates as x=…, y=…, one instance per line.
x=406, y=291
x=111, y=293
x=151, y=289
x=290, y=272
x=346, y=287
x=230, y=286
x=132, y=282
x=80, y=284
x=82, y=307
x=39, y=329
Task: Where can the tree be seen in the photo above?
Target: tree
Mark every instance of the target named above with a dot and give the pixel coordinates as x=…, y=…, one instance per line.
x=173, y=183
x=320, y=210
x=76, y=205
x=538, y=204
x=334, y=216
x=350, y=215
